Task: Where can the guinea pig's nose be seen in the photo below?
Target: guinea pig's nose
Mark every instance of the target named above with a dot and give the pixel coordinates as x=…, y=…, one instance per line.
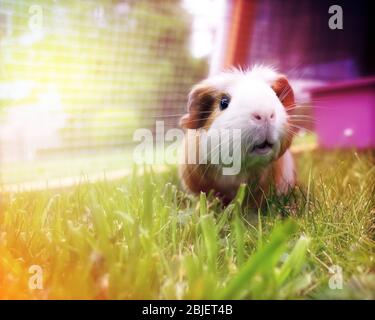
x=261, y=117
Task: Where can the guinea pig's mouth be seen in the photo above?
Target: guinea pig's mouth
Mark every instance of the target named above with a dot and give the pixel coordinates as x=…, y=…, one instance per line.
x=262, y=148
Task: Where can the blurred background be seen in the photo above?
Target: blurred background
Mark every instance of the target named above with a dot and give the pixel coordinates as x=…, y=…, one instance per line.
x=78, y=77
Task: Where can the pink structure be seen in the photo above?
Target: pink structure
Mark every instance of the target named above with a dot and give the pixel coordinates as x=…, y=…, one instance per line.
x=345, y=114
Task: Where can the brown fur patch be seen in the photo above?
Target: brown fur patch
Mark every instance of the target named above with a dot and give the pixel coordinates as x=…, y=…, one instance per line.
x=200, y=102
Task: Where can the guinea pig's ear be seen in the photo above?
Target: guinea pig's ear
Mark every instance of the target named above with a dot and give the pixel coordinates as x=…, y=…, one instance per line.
x=285, y=94
x=284, y=91
x=200, y=101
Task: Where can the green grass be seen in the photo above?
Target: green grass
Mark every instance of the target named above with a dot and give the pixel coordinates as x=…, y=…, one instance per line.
x=143, y=237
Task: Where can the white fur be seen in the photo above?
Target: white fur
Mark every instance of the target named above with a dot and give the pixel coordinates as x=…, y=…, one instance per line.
x=251, y=93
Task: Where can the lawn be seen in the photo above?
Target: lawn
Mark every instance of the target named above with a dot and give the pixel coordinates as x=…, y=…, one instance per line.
x=143, y=237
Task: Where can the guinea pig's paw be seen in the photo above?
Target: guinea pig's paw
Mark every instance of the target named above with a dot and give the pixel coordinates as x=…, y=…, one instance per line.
x=283, y=186
x=285, y=182
x=285, y=175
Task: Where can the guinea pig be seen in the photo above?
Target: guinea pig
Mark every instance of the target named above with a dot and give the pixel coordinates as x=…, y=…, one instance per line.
x=259, y=102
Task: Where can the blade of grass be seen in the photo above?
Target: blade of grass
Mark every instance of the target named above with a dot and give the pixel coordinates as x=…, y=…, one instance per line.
x=239, y=231
x=147, y=199
x=265, y=258
x=293, y=264
x=209, y=231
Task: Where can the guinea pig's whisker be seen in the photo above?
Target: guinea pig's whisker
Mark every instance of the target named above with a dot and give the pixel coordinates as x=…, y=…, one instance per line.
x=290, y=130
x=297, y=106
x=212, y=153
x=247, y=148
x=293, y=133
x=299, y=115
x=295, y=121
x=301, y=128
x=301, y=118
x=216, y=149
x=200, y=119
x=169, y=115
x=285, y=93
x=177, y=114
x=302, y=103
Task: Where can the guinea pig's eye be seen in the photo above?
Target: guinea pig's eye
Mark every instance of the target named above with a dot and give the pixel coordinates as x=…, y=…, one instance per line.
x=224, y=102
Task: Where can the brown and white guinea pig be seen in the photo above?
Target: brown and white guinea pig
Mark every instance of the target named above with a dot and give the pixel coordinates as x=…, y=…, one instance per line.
x=259, y=102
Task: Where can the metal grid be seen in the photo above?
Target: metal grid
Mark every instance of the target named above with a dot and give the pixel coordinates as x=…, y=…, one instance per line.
x=81, y=76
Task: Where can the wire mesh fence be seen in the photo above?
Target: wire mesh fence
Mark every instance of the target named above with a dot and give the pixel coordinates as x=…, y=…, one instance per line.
x=78, y=77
